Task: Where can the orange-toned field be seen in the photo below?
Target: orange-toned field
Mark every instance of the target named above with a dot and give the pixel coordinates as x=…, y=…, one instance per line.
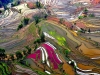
x=90, y=52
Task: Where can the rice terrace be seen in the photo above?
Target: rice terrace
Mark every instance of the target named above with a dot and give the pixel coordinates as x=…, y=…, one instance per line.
x=49, y=37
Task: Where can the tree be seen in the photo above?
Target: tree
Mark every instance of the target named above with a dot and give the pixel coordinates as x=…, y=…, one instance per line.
x=60, y=66
x=72, y=27
x=38, y=40
x=42, y=37
x=37, y=19
x=12, y=57
x=2, y=53
x=29, y=49
x=89, y=30
x=39, y=5
x=24, y=52
x=25, y=21
x=96, y=43
x=35, y=47
x=66, y=52
x=80, y=17
x=20, y=10
x=85, y=11
x=72, y=63
x=82, y=30
x=91, y=15
x=0, y=11
x=19, y=55
x=75, y=23
x=20, y=26
x=45, y=16
x=39, y=30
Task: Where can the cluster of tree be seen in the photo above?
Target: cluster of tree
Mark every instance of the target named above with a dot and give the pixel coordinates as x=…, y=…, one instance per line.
x=41, y=39
x=89, y=30
x=28, y=49
x=39, y=5
x=80, y=17
x=39, y=30
x=24, y=22
x=19, y=54
x=0, y=11
x=72, y=64
x=23, y=62
x=66, y=52
x=20, y=26
x=85, y=11
x=91, y=15
x=37, y=18
x=86, y=14
x=2, y=54
x=60, y=66
x=84, y=30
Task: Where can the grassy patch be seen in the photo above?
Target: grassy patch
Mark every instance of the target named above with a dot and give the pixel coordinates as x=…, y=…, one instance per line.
x=32, y=29
x=61, y=40
x=3, y=40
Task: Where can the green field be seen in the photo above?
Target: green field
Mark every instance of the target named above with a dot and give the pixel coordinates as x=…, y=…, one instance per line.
x=55, y=32
x=61, y=40
x=32, y=29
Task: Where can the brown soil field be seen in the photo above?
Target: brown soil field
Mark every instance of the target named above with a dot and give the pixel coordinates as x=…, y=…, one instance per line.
x=85, y=67
x=90, y=52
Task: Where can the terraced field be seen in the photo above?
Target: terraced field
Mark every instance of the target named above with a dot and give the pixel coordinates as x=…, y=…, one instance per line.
x=69, y=51
x=77, y=55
